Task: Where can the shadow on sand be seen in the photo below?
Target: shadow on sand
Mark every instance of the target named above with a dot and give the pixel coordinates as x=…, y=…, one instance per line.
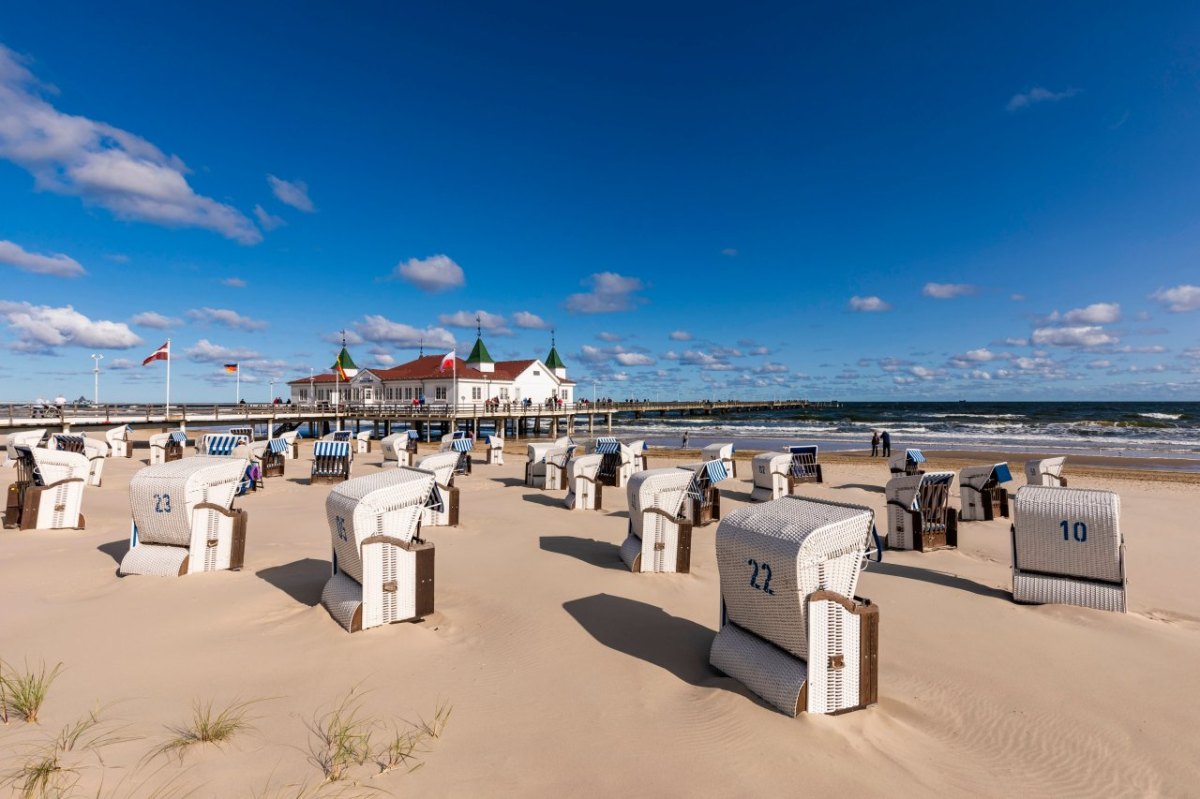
x=589, y=550
x=863, y=486
x=302, y=580
x=509, y=482
x=938, y=578
x=651, y=634
x=549, y=500
x=115, y=549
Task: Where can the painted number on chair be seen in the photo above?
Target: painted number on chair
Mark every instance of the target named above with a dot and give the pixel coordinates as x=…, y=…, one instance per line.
x=765, y=570
x=1077, y=532
x=162, y=503
x=341, y=527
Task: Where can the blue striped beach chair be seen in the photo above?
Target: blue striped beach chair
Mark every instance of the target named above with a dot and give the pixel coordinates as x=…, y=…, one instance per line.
x=722, y=452
x=616, y=466
x=907, y=463
x=919, y=512
x=273, y=456
x=981, y=495
x=331, y=462
x=463, y=445
x=703, y=505
x=221, y=445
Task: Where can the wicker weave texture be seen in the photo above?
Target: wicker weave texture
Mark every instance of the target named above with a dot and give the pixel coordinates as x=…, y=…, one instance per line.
x=1042, y=545
x=441, y=464
x=388, y=502
x=765, y=669
x=771, y=557
x=582, y=489
x=1044, y=472
x=53, y=465
x=664, y=489
x=906, y=491
x=23, y=438
x=153, y=559
x=769, y=470
x=342, y=597
x=163, y=497
x=1044, y=589
x=385, y=563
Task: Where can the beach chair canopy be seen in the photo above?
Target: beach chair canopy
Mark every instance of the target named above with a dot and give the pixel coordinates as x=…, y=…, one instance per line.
x=607, y=446
x=536, y=453
x=717, y=451
x=773, y=556
x=162, y=497
x=664, y=489
x=910, y=490
x=413, y=434
x=178, y=436
x=583, y=466
x=331, y=449
x=23, y=438
x=441, y=464
x=49, y=466
x=248, y=432
x=914, y=456
x=982, y=477
x=277, y=446
x=118, y=433
x=1051, y=467
x=218, y=444
x=705, y=474
x=462, y=444
x=71, y=442
x=387, y=503
x=495, y=441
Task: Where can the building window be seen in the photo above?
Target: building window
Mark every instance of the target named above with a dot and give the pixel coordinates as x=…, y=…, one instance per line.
x=439, y=393
x=504, y=393
x=537, y=372
x=476, y=393
x=565, y=393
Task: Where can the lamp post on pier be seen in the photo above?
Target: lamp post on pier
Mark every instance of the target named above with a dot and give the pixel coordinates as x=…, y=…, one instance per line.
x=96, y=376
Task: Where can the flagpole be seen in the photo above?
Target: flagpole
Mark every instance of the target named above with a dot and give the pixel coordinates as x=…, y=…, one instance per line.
x=167, y=414
x=237, y=400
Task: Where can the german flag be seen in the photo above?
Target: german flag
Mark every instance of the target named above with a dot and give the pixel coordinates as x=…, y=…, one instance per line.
x=231, y=368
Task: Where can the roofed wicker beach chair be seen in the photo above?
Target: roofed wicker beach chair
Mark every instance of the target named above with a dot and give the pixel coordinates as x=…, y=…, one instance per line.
x=293, y=447
x=1068, y=548
x=495, y=449
x=462, y=444
x=535, y=463
x=557, y=458
x=907, y=463
x=1046, y=472
x=980, y=494
x=362, y=440
x=48, y=491
x=771, y=473
x=703, y=504
x=442, y=509
x=399, y=448
x=184, y=521
x=723, y=453
x=331, y=462
x=804, y=466
x=660, y=536
x=167, y=447
x=245, y=431
x=584, y=489
x=221, y=444
x=792, y=630
x=919, y=512
x=617, y=464
x=382, y=570
x=118, y=441
x=93, y=449
x=22, y=438
x=637, y=450
x=270, y=456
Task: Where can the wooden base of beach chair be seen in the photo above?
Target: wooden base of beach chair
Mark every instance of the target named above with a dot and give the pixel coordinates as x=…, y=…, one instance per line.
x=941, y=537
x=579, y=499
x=173, y=451
x=451, y=497
x=705, y=511
x=633, y=550
x=343, y=597
x=24, y=511
x=323, y=478
x=273, y=464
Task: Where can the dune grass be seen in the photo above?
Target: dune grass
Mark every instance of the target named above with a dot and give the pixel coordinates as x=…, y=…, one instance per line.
x=52, y=768
x=341, y=738
x=25, y=691
x=208, y=726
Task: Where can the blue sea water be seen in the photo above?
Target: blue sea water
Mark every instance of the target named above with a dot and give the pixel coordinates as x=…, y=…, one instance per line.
x=1131, y=429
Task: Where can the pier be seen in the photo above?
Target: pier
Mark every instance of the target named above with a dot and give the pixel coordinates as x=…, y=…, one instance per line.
x=513, y=420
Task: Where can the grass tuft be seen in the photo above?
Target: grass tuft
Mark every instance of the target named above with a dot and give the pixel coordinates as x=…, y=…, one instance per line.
x=208, y=727
x=52, y=769
x=25, y=691
x=341, y=738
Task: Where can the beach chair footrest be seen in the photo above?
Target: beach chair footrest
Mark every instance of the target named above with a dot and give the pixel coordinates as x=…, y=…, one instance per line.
x=1046, y=589
x=155, y=559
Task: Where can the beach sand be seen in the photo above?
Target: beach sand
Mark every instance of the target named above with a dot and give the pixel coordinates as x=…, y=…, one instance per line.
x=569, y=675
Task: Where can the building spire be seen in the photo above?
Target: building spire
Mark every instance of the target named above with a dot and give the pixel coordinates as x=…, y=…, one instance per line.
x=421, y=352
x=478, y=327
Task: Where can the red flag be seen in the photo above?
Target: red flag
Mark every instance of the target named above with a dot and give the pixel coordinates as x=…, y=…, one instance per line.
x=447, y=361
x=163, y=353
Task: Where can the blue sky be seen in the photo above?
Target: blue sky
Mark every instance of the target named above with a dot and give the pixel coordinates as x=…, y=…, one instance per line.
x=852, y=202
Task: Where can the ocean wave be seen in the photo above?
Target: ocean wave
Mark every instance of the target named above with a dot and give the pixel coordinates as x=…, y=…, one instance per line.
x=1164, y=416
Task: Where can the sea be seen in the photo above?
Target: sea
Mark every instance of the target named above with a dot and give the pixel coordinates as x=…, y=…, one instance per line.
x=1168, y=430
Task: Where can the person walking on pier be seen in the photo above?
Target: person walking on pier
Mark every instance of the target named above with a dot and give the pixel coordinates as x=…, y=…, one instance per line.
x=886, y=440
x=874, y=443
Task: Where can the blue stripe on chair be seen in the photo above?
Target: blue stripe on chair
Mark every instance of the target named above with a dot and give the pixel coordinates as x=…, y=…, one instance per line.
x=413, y=434
x=462, y=444
x=223, y=445
x=608, y=446
x=914, y=455
x=341, y=435
x=277, y=446
x=63, y=438
x=1001, y=473
x=179, y=437
x=716, y=471
x=335, y=449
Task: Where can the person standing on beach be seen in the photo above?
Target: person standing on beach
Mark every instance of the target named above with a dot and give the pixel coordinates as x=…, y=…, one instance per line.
x=685, y=439
x=874, y=443
x=886, y=440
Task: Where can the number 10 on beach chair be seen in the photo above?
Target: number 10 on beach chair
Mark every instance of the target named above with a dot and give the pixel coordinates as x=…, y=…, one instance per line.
x=792, y=630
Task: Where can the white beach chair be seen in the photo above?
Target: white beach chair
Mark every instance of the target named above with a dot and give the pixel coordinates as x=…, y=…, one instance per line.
x=94, y=450
x=771, y=472
x=660, y=536
x=442, y=507
x=584, y=489
x=293, y=447
x=723, y=453
x=382, y=570
x=919, y=512
x=22, y=438
x=1068, y=548
x=792, y=630
x=167, y=447
x=118, y=441
x=399, y=449
x=1046, y=472
x=616, y=466
x=270, y=455
x=362, y=441
x=907, y=462
x=637, y=451
x=331, y=462
x=703, y=504
x=495, y=449
x=535, y=463
x=463, y=444
x=48, y=491
x=183, y=518
x=980, y=494
x=557, y=458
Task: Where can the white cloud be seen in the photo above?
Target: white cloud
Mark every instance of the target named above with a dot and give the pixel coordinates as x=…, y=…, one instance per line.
x=205, y=351
x=529, y=321
x=1037, y=95
x=1179, y=299
x=226, y=317
x=1151, y=349
x=604, y=335
x=102, y=164
x=1017, y=342
x=633, y=359
x=155, y=320
x=1099, y=364
x=120, y=364
x=349, y=336
x=868, y=304
x=435, y=273
x=610, y=292
x=1077, y=336
x=268, y=220
x=772, y=368
x=922, y=372
x=1100, y=313
x=381, y=330
x=980, y=374
x=234, y=282
x=903, y=381
x=1017, y=297
x=291, y=192
x=494, y=323
x=42, y=328
x=680, y=335
x=58, y=265
x=948, y=291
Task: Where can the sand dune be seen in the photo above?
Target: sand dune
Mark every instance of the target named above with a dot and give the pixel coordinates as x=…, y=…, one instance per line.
x=570, y=675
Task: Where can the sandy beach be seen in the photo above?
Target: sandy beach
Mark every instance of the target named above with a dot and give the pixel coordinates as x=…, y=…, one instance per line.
x=569, y=675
